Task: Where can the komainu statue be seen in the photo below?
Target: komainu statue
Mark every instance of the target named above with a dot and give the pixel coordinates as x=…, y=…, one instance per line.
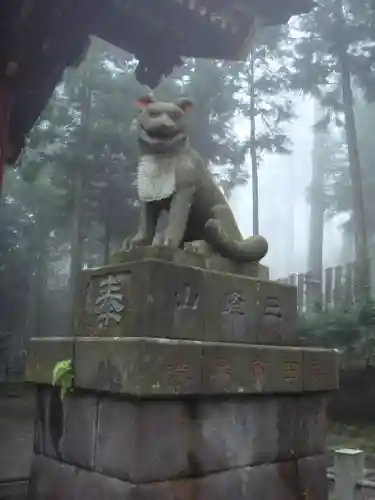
x=173, y=177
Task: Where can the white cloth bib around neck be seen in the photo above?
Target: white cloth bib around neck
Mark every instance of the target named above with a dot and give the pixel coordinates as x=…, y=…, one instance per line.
x=156, y=177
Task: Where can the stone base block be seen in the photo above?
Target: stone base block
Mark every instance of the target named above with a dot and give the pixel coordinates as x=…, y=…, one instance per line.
x=193, y=255
x=53, y=480
x=158, y=298
x=148, y=367
x=160, y=440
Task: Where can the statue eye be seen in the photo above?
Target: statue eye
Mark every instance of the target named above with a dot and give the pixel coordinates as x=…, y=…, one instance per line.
x=175, y=116
x=153, y=114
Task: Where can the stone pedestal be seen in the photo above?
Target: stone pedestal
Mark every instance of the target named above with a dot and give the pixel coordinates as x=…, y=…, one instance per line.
x=187, y=387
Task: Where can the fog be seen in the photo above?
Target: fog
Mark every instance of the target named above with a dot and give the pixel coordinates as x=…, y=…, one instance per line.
x=283, y=208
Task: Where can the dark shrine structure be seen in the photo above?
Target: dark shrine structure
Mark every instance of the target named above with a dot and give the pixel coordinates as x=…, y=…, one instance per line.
x=40, y=38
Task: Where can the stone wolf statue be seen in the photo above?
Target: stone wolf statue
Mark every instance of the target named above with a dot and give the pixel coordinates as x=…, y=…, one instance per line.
x=173, y=177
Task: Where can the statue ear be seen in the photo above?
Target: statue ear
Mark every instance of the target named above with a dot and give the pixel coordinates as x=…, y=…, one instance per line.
x=142, y=102
x=185, y=104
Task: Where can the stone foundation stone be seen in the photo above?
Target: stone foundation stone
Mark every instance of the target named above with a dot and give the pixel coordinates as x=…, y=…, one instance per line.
x=186, y=388
x=292, y=480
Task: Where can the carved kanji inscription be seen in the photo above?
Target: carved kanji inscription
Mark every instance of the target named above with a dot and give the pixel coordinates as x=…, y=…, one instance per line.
x=234, y=303
x=258, y=371
x=317, y=371
x=272, y=310
x=186, y=299
x=291, y=371
x=109, y=303
x=223, y=371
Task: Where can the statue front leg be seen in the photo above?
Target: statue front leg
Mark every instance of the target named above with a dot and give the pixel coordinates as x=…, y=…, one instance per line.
x=178, y=216
x=146, y=229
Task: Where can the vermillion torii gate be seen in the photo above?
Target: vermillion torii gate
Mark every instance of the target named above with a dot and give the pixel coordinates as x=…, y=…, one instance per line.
x=40, y=38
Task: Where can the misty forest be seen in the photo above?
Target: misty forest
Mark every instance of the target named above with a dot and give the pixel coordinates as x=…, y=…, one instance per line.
x=289, y=136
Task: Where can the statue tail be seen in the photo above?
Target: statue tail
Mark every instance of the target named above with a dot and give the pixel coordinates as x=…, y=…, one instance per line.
x=252, y=249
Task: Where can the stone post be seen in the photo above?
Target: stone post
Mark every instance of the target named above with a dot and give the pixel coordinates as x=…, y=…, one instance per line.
x=348, y=466
x=187, y=386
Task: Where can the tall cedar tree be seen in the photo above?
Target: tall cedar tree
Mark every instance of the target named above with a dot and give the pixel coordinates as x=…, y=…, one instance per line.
x=337, y=180
x=329, y=59
x=267, y=104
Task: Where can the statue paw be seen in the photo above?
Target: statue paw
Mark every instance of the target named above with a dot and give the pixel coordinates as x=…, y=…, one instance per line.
x=134, y=242
x=126, y=245
x=164, y=241
x=213, y=226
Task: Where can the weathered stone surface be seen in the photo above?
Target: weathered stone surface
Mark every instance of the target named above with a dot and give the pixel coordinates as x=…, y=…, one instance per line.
x=79, y=435
x=231, y=309
x=278, y=313
x=159, y=300
x=203, y=436
x=274, y=481
x=38, y=421
x=288, y=427
x=66, y=428
x=183, y=307
x=139, y=366
x=239, y=433
x=230, y=368
x=126, y=285
x=183, y=489
x=143, y=442
x=17, y=421
x=52, y=480
x=150, y=366
x=191, y=257
x=131, y=444
x=155, y=298
x=320, y=369
x=42, y=356
x=291, y=480
x=230, y=485
x=313, y=477
x=235, y=433
x=302, y=426
x=49, y=424
x=93, y=486
x=14, y=490
x=224, y=485
x=277, y=481
x=312, y=425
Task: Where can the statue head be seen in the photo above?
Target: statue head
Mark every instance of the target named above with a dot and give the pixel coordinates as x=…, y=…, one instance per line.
x=161, y=125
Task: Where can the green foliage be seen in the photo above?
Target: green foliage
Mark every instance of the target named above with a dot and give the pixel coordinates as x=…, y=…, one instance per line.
x=332, y=329
x=63, y=376
x=266, y=78
x=351, y=331
x=326, y=37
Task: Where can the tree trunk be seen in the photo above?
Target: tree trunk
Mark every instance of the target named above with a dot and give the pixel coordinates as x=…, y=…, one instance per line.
x=78, y=216
x=107, y=207
x=37, y=254
x=77, y=236
x=359, y=214
x=317, y=209
x=41, y=285
x=289, y=206
x=107, y=243
x=347, y=249
x=253, y=149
